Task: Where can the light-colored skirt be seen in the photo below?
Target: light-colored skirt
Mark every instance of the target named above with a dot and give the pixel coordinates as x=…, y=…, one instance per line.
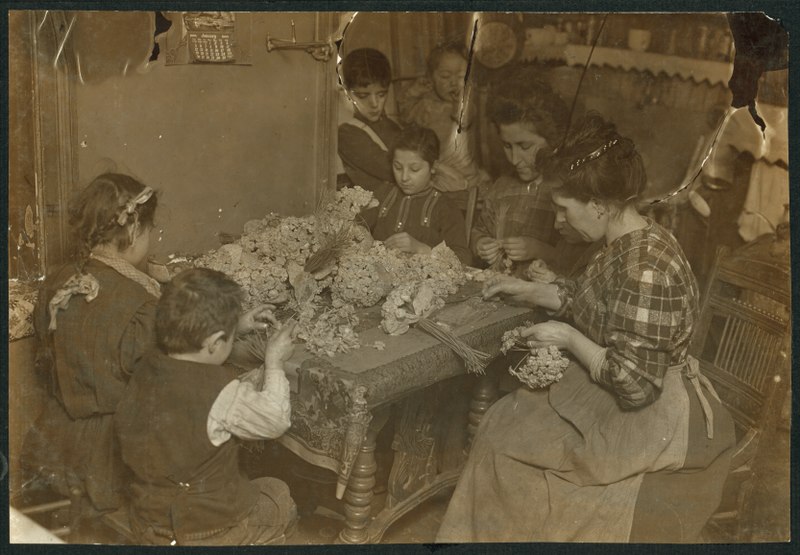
x=565, y=464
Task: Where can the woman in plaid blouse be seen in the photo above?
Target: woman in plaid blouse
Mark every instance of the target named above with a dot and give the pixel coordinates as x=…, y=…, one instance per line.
x=515, y=224
x=569, y=463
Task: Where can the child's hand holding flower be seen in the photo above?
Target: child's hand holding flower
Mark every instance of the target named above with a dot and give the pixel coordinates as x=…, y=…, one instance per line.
x=257, y=318
x=281, y=345
x=406, y=243
x=489, y=249
x=520, y=248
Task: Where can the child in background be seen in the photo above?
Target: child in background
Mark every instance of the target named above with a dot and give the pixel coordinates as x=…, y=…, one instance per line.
x=412, y=216
x=364, y=139
x=94, y=319
x=531, y=120
x=182, y=409
x=438, y=102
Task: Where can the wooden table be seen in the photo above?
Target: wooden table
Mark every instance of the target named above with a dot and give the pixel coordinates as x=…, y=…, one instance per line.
x=340, y=404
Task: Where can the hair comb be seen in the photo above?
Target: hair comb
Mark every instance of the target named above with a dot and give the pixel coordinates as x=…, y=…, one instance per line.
x=593, y=155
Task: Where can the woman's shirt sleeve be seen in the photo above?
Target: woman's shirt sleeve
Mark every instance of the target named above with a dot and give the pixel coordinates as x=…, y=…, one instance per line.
x=645, y=314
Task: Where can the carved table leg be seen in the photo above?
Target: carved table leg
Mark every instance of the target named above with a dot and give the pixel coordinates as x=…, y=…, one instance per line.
x=358, y=496
x=359, y=493
x=484, y=395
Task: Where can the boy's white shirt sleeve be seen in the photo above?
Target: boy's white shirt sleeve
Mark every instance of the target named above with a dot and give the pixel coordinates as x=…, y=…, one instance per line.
x=241, y=410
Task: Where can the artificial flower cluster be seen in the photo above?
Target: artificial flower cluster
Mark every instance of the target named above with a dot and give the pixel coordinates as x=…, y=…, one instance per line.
x=407, y=305
x=361, y=279
x=329, y=330
x=326, y=264
x=512, y=339
x=541, y=367
x=263, y=280
x=441, y=270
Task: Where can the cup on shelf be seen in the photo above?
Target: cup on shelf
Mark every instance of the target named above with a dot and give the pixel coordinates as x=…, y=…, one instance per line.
x=638, y=40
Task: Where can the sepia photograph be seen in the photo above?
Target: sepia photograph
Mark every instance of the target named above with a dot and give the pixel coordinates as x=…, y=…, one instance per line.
x=426, y=277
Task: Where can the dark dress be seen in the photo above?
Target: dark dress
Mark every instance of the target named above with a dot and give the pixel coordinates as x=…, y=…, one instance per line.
x=90, y=357
x=566, y=463
x=428, y=217
x=365, y=159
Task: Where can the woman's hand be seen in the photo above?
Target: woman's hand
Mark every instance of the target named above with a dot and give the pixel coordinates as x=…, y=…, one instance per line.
x=515, y=290
x=257, y=318
x=406, y=243
x=280, y=346
x=550, y=333
x=520, y=248
x=538, y=271
x=489, y=249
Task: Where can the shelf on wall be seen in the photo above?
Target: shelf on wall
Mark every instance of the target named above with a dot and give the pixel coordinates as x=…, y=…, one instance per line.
x=713, y=72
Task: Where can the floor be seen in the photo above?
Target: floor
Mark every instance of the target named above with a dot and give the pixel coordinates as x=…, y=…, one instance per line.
x=769, y=520
x=322, y=517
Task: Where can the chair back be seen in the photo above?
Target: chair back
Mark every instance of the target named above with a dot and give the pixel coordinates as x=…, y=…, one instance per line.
x=743, y=339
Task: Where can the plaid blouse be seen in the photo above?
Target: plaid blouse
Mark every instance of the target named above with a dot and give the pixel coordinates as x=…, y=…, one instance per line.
x=639, y=299
x=528, y=206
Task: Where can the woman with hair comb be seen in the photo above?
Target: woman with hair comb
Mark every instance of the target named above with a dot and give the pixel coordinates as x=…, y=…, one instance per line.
x=566, y=463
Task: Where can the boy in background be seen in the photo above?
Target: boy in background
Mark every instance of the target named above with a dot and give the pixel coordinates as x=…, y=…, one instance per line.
x=365, y=139
x=179, y=417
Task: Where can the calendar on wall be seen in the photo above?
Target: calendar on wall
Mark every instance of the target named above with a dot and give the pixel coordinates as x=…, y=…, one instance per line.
x=209, y=38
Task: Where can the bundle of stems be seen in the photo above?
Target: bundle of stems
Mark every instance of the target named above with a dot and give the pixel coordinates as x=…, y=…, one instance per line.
x=255, y=345
x=474, y=359
x=327, y=255
x=500, y=232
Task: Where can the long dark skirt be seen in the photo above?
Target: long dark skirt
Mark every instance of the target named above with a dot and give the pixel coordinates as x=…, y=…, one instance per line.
x=77, y=457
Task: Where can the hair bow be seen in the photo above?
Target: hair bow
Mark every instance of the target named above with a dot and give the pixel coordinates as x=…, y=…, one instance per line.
x=130, y=206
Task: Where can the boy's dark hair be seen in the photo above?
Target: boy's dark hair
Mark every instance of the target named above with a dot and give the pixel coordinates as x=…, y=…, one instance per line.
x=522, y=97
x=450, y=47
x=93, y=212
x=420, y=140
x=197, y=303
x=597, y=162
x=365, y=66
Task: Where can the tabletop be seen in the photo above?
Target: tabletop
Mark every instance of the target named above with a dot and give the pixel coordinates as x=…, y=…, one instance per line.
x=333, y=398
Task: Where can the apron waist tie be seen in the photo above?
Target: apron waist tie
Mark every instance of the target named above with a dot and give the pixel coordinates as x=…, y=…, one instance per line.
x=691, y=369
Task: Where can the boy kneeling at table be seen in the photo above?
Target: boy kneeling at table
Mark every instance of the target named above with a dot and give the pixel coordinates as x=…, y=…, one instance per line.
x=182, y=411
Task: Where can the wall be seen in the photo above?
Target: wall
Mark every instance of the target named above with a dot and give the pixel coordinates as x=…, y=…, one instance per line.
x=23, y=260
x=222, y=144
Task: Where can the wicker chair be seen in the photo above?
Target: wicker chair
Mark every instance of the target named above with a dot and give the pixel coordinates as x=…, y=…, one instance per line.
x=743, y=343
